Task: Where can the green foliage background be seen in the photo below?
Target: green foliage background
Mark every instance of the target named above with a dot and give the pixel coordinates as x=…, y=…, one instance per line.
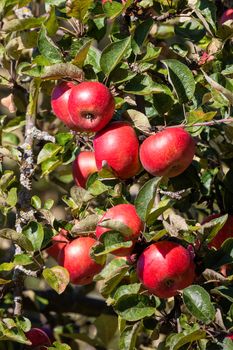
x=150, y=54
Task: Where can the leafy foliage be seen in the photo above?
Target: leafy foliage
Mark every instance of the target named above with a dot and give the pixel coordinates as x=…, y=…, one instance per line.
x=167, y=63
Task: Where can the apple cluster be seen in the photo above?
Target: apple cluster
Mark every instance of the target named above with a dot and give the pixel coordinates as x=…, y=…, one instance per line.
x=89, y=107
x=164, y=267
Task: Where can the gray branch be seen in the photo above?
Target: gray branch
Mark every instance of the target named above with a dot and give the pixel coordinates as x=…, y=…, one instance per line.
x=25, y=212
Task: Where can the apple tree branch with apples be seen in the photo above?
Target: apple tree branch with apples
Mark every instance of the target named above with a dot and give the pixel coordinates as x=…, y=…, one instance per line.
x=116, y=175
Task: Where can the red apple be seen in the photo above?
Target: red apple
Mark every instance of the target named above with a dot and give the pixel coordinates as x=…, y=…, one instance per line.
x=59, y=102
x=58, y=243
x=83, y=166
x=38, y=338
x=164, y=268
x=91, y=106
x=230, y=336
x=126, y=213
x=117, y=144
x=225, y=232
x=167, y=153
x=226, y=16
x=75, y=257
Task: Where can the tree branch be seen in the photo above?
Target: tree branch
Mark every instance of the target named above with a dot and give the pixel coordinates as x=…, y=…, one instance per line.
x=24, y=198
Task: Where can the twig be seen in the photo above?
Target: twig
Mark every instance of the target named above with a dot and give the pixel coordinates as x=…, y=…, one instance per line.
x=210, y=123
x=41, y=135
x=174, y=195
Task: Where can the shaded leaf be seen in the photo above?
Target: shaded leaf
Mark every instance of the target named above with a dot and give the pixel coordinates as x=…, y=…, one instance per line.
x=129, y=336
x=134, y=307
x=145, y=198
x=16, y=237
x=35, y=234
x=197, y=300
x=181, y=78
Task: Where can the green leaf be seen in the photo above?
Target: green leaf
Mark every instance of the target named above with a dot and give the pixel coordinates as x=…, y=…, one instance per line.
x=57, y=278
x=222, y=256
x=22, y=259
x=36, y=202
x=35, y=233
x=47, y=47
x=117, y=226
x=197, y=300
x=144, y=85
x=129, y=336
x=51, y=23
x=14, y=124
x=49, y=165
x=81, y=55
x=211, y=228
x=59, y=346
x=48, y=151
x=79, y=9
x=48, y=204
x=125, y=289
x=111, y=269
x=7, y=266
x=177, y=341
x=112, y=9
x=17, y=238
x=162, y=206
x=22, y=24
x=224, y=291
x=140, y=35
x=181, y=78
x=111, y=241
x=113, y=54
x=145, y=198
x=12, y=197
x=134, y=307
x=97, y=188
x=227, y=344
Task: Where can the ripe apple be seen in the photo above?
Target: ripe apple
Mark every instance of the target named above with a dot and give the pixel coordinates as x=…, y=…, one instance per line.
x=59, y=102
x=225, y=232
x=167, y=153
x=58, y=243
x=83, y=166
x=229, y=336
x=126, y=213
x=75, y=257
x=91, y=106
x=164, y=268
x=226, y=16
x=117, y=144
x=38, y=338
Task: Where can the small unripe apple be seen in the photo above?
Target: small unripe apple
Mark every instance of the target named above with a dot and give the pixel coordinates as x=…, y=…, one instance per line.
x=226, y=16
x=91, y=106
x=58, y=243
x=125, y=213
x=167, y=153
x=59, y=102
x=117, y=144
x=38, y=338
x=75, y=257
x=164, y=268
x=83, y=166
x=225, y=232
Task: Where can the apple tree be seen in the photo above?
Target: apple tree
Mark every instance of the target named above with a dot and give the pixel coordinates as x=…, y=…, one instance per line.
x=116, y=184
